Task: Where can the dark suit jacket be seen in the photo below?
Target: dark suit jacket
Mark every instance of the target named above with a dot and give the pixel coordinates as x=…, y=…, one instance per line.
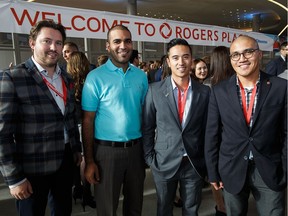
x=276, y=66
x=164, y=154
x=32, y=124
x=229, y=140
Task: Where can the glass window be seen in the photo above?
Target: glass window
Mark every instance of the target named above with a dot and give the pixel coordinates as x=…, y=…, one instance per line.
x=153, y=51
x=25, y=54
x=6, y=58
x=78, y=41
x=23, y=40
x=6, y=39
x=98, y=46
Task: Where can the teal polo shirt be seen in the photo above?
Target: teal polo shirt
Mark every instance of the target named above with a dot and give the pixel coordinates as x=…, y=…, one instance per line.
x=117, y=99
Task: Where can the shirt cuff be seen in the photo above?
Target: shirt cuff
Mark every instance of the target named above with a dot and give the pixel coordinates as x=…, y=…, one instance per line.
x=17, y=184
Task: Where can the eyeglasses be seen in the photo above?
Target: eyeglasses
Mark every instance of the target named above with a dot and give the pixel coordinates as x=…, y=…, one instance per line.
x=248, y=53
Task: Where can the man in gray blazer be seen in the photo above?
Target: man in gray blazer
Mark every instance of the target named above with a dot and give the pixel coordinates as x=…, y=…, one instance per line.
x=176, y=108
x=39, y=135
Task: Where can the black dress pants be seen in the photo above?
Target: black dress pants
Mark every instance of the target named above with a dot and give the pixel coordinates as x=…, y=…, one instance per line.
x=59, y=184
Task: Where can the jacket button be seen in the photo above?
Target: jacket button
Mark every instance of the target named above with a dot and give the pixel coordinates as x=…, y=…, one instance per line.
x=245, y=158
x=250, y=139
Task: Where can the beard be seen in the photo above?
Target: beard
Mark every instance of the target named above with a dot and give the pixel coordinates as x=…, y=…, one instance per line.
x=119, y=59
x=51, y=61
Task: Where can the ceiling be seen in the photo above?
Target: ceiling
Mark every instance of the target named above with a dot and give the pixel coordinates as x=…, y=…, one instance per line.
x=236, y=14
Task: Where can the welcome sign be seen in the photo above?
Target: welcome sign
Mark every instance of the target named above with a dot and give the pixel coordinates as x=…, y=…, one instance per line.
x=81, y=23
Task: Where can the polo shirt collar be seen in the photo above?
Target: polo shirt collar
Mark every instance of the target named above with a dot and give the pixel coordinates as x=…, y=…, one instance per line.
x=112, y=67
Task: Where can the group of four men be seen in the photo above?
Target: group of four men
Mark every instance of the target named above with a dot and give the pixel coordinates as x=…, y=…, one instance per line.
x=168, y=122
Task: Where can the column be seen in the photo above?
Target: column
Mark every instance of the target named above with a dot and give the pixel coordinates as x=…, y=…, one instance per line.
x=132, y=7
x=256, y=21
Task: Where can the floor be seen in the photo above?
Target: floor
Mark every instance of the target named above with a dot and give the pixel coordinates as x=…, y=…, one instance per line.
x=7, y=203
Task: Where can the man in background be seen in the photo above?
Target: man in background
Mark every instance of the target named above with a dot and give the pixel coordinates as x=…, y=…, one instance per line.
x=134, y=59
x=70, y=47
x=278, y=65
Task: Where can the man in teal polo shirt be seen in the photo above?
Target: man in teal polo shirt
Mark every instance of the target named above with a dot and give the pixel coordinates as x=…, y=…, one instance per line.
x=112, y=99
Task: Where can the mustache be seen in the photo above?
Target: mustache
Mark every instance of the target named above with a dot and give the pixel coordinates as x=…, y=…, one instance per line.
x=52, y=52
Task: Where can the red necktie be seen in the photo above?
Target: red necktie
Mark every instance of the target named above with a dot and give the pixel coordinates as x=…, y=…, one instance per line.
x=181, y=103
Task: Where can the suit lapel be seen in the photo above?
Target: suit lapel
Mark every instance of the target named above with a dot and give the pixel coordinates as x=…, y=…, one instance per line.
x=68, y=87
x=232, y=92
x=264, y=88
x=194, y=101
x=39, y=80
x=168, y=93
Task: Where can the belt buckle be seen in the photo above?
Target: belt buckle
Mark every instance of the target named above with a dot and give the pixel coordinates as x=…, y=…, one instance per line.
x=125, y=144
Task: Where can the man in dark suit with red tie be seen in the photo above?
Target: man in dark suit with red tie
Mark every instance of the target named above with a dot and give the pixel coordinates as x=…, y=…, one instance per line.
x=246, y=134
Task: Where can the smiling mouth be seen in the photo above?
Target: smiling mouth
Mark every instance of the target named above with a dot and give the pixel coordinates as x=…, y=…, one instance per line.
x=244, y=65
x=181, y=68
x=123, y=53
x=53, y=55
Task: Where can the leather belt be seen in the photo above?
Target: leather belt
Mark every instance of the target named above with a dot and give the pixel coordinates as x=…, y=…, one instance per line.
x=115, y=144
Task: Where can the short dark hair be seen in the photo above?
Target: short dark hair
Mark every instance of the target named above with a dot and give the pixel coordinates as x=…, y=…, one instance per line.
x=71, y=44
x=134, y=55
x=283, y=45
x=102, y=59
x=117, y=27
x=178, y=41
x=49, y=24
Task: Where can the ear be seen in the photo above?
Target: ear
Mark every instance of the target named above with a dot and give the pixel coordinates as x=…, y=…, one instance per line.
x=31, y=44
x=260, y=54
x=168, y=62
x=108, y=46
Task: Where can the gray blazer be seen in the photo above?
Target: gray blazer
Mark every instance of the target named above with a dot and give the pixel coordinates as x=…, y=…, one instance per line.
x=164, y=152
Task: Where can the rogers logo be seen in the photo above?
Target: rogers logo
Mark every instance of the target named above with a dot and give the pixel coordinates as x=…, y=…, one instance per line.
x=165, y=30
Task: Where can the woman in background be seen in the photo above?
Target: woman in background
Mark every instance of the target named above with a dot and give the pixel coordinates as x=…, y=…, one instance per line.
x=199, y=70
x=220, y=69
x=79, y=66
x=220, y=66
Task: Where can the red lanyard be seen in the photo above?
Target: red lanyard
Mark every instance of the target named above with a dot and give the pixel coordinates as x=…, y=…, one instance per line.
x=247, y=114
x=52, y=87
x=181, y=103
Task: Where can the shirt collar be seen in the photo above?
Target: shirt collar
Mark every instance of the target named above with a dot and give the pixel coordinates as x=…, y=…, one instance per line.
x=174, y=86
x=42, y=70
x=237, y=81
x=112, y=67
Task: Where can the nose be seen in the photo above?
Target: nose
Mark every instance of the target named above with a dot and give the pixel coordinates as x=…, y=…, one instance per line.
x=122, y=45
x=181, y=60
x=53, y=46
